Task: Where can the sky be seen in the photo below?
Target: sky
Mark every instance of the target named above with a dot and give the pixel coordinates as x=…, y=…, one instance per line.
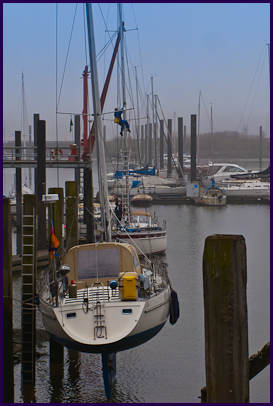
x=218, y=49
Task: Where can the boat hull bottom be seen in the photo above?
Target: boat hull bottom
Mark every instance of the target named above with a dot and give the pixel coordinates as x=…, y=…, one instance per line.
x=121, y=345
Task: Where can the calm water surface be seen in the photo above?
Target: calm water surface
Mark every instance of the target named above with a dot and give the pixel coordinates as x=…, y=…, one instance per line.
x=171, y=366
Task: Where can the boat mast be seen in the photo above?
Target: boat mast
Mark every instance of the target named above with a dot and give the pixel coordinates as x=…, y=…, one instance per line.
x=198, y=129
x=211, y=127
x=125, y=152
x=103, y=188
x=138, y=119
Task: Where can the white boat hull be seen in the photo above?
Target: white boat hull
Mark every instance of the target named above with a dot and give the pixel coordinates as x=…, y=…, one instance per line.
x=144, y=318
x=145, y=243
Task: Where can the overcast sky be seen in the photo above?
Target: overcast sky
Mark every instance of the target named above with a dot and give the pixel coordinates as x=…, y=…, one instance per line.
x=218, y=49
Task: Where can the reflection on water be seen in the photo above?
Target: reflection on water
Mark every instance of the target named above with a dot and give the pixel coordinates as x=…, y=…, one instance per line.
x=171, y=366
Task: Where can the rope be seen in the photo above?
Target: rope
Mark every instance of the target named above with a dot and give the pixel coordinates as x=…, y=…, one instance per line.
x=250, y=88
x=67, y=53
x=84, y=28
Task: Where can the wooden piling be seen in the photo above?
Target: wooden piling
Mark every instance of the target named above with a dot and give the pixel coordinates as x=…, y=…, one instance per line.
x=18, y=185
x=71, y=198
x=36, y=118
x=180, y=145
x=56, y=213
x=77, y=136
x=8, y=375
x=40, y=186
x=161, y=145
x=169, y=148
x=29, y=269
x=88, y=204
x=193, y=147
x=226, y=325
x=56, y=370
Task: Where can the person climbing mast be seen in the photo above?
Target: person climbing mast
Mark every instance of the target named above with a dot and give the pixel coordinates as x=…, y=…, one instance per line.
x=123, y=123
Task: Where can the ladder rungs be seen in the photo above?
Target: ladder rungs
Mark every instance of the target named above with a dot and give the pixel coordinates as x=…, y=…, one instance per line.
x=27, y=264
x=27, y=245
x=28, y=225
x=28, y=255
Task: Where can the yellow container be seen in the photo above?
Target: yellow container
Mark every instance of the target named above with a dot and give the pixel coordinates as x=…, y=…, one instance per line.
x=129, y=282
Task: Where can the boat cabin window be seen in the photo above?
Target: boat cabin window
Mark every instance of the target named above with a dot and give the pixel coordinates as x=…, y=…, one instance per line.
x=104, y=263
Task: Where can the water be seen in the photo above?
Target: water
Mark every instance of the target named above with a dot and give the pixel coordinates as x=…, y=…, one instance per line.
x=171, y=366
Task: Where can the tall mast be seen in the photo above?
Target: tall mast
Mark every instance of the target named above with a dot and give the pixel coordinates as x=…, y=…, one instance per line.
x=121, y=31
x=211, y=127
x=268, y=48
x=23, y=127
x=138, y=119
x=85, y=106
x=125, y=152
x=198, y=128
x=153, y=116
x=103, y=188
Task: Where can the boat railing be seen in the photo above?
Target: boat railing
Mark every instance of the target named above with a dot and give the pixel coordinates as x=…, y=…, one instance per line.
x=94, y=294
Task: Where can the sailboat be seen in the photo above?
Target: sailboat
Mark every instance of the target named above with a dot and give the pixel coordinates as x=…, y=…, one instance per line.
x=139, y=228
x=102, y=299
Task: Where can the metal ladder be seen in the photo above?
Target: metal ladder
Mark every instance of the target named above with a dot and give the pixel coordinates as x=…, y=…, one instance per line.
x=100, y=330
x=28, y=293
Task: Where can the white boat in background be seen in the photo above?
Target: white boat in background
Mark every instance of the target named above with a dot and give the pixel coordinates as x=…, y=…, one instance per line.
x=251, y=189
x=143, y=231
x=224, y=171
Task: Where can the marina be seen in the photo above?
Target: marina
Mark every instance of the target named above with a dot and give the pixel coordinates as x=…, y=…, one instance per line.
x=105, y=302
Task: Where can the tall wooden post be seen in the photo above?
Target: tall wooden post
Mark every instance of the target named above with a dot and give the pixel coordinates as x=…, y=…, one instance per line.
x=29, y=269
x=18, y=182
x=8, y=375
x=36, y=118
x=169, y=163
x=226, y=326
x=77, y=120
x=71, y=198
x=185, y=137
x=161, y=145
x=88, y=204
x=180, y=145
x=193, y=147
x=56, y=213
x=261, y=148
x=40, y=186
x=56, y=370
